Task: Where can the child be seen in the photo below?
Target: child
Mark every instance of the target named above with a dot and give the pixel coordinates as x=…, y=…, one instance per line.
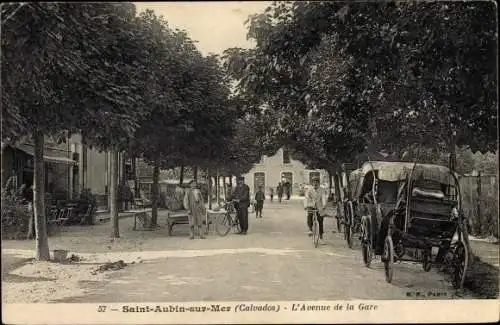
x=259, y=199
x=271, y=193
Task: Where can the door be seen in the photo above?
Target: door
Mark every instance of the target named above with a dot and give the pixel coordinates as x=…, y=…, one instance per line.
x=287, y=181
x=259, y=180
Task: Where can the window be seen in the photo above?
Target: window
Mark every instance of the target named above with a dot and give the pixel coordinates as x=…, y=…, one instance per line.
x=286, y=156
x=259, y=180
x=313, y=175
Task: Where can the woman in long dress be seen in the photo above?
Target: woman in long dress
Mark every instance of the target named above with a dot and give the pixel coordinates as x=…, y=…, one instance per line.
x=193, y=202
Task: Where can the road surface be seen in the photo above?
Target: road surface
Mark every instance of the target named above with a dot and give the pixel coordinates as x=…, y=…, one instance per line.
x=275, y=261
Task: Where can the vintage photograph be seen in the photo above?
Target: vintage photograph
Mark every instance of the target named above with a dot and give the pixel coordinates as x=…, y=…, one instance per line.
x=217, y=157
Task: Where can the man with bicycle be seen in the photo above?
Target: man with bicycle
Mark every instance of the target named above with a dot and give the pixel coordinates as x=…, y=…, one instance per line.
x=241, y=195
x=314, y=200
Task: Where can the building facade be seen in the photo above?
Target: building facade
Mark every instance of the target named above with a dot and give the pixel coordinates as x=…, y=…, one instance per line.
x=69, y=168
x=271, y=170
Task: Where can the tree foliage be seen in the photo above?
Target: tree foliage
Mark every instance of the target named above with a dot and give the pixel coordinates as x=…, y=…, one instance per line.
x=380, y=74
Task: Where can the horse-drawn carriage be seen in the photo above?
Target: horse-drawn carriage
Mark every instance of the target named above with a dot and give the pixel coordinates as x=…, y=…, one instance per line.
x=352, y=219
x=412, y=212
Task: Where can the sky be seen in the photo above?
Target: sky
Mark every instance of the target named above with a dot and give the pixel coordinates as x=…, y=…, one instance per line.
x=215, y=25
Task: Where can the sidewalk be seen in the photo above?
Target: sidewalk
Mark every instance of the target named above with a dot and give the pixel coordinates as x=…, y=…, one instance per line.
x=487, y=252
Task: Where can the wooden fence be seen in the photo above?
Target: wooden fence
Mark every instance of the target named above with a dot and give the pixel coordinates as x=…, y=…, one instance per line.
x=480, y=203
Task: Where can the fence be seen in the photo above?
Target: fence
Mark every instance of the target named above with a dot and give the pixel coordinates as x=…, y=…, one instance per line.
x=480, y=203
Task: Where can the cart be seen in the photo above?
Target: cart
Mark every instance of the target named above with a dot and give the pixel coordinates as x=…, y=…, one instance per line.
x=425, y=224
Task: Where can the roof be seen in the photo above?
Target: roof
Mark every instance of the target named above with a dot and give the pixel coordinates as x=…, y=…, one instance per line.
x=394, y=171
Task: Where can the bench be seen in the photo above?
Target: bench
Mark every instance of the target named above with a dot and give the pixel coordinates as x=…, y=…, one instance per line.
x=176, y=218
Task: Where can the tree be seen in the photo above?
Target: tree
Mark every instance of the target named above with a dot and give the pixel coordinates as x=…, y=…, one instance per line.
x=360, y=67
x=191, y=114
x=67, y=74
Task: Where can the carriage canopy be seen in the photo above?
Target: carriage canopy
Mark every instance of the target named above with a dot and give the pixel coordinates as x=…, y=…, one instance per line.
x=399, y=171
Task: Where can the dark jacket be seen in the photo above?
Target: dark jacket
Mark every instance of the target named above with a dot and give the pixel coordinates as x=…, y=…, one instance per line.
x=259, y=196
x=242, y=193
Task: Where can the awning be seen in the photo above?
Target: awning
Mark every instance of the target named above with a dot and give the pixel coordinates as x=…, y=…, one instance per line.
x=48, y=158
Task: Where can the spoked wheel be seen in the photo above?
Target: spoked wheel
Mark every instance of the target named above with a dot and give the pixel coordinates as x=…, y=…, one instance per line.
x=388, y=259
x=223, y=224
x=460, y=264
x=236, y=227
x=427, y=263
x=315, y=231
x=366, y=242
x=349, y=232
x=339, y=225
x=348, y=229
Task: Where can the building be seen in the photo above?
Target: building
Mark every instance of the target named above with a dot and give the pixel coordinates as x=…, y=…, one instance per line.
x=271, y=170
x=69, y=168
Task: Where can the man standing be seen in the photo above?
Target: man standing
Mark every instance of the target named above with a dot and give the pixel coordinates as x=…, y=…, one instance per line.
x=279, y=190
x=288, y=188
x=259, y=199
x=193, y=202
x=314, y=200
x=241, y=194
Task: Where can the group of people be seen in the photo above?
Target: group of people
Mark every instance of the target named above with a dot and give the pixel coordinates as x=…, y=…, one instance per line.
x=315, y=200
x=195, y=205
x=284, y=187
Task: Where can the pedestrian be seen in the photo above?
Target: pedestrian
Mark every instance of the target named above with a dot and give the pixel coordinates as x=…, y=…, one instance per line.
x=193, y=202
x=288, y=189
x=271, y=193
x=259, y=202
x=241, y=195
x=279, y=190
x=315, y=200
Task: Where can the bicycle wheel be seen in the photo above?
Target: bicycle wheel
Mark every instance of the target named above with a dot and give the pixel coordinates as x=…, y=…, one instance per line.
x=236, y=226
x=223, y=224
x=315, y=235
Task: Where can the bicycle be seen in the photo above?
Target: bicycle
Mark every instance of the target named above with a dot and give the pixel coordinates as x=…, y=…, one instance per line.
x=228, y=220
x=315, y=227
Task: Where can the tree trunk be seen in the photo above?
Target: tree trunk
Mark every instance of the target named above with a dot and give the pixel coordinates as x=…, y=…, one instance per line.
x=31, y=225
x=478, y=206
x=231, y=180
x=330, y=185
x=195, y=173
x=123, y=178
x=42, y=242
x=224, y=187
x=181, y=177
x=154, y=193
x=136, y=183
x=217, y=185
x=84, y=163
x=113, y=193
x=209, y=176
x=336, y=182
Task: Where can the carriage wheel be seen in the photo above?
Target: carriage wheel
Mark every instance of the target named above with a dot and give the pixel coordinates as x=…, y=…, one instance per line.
x=223, y=224
x=427, y=263
x=460, y=263
x=388, y=259
x=350, y=231
x=348, y=228
x=366, y=242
